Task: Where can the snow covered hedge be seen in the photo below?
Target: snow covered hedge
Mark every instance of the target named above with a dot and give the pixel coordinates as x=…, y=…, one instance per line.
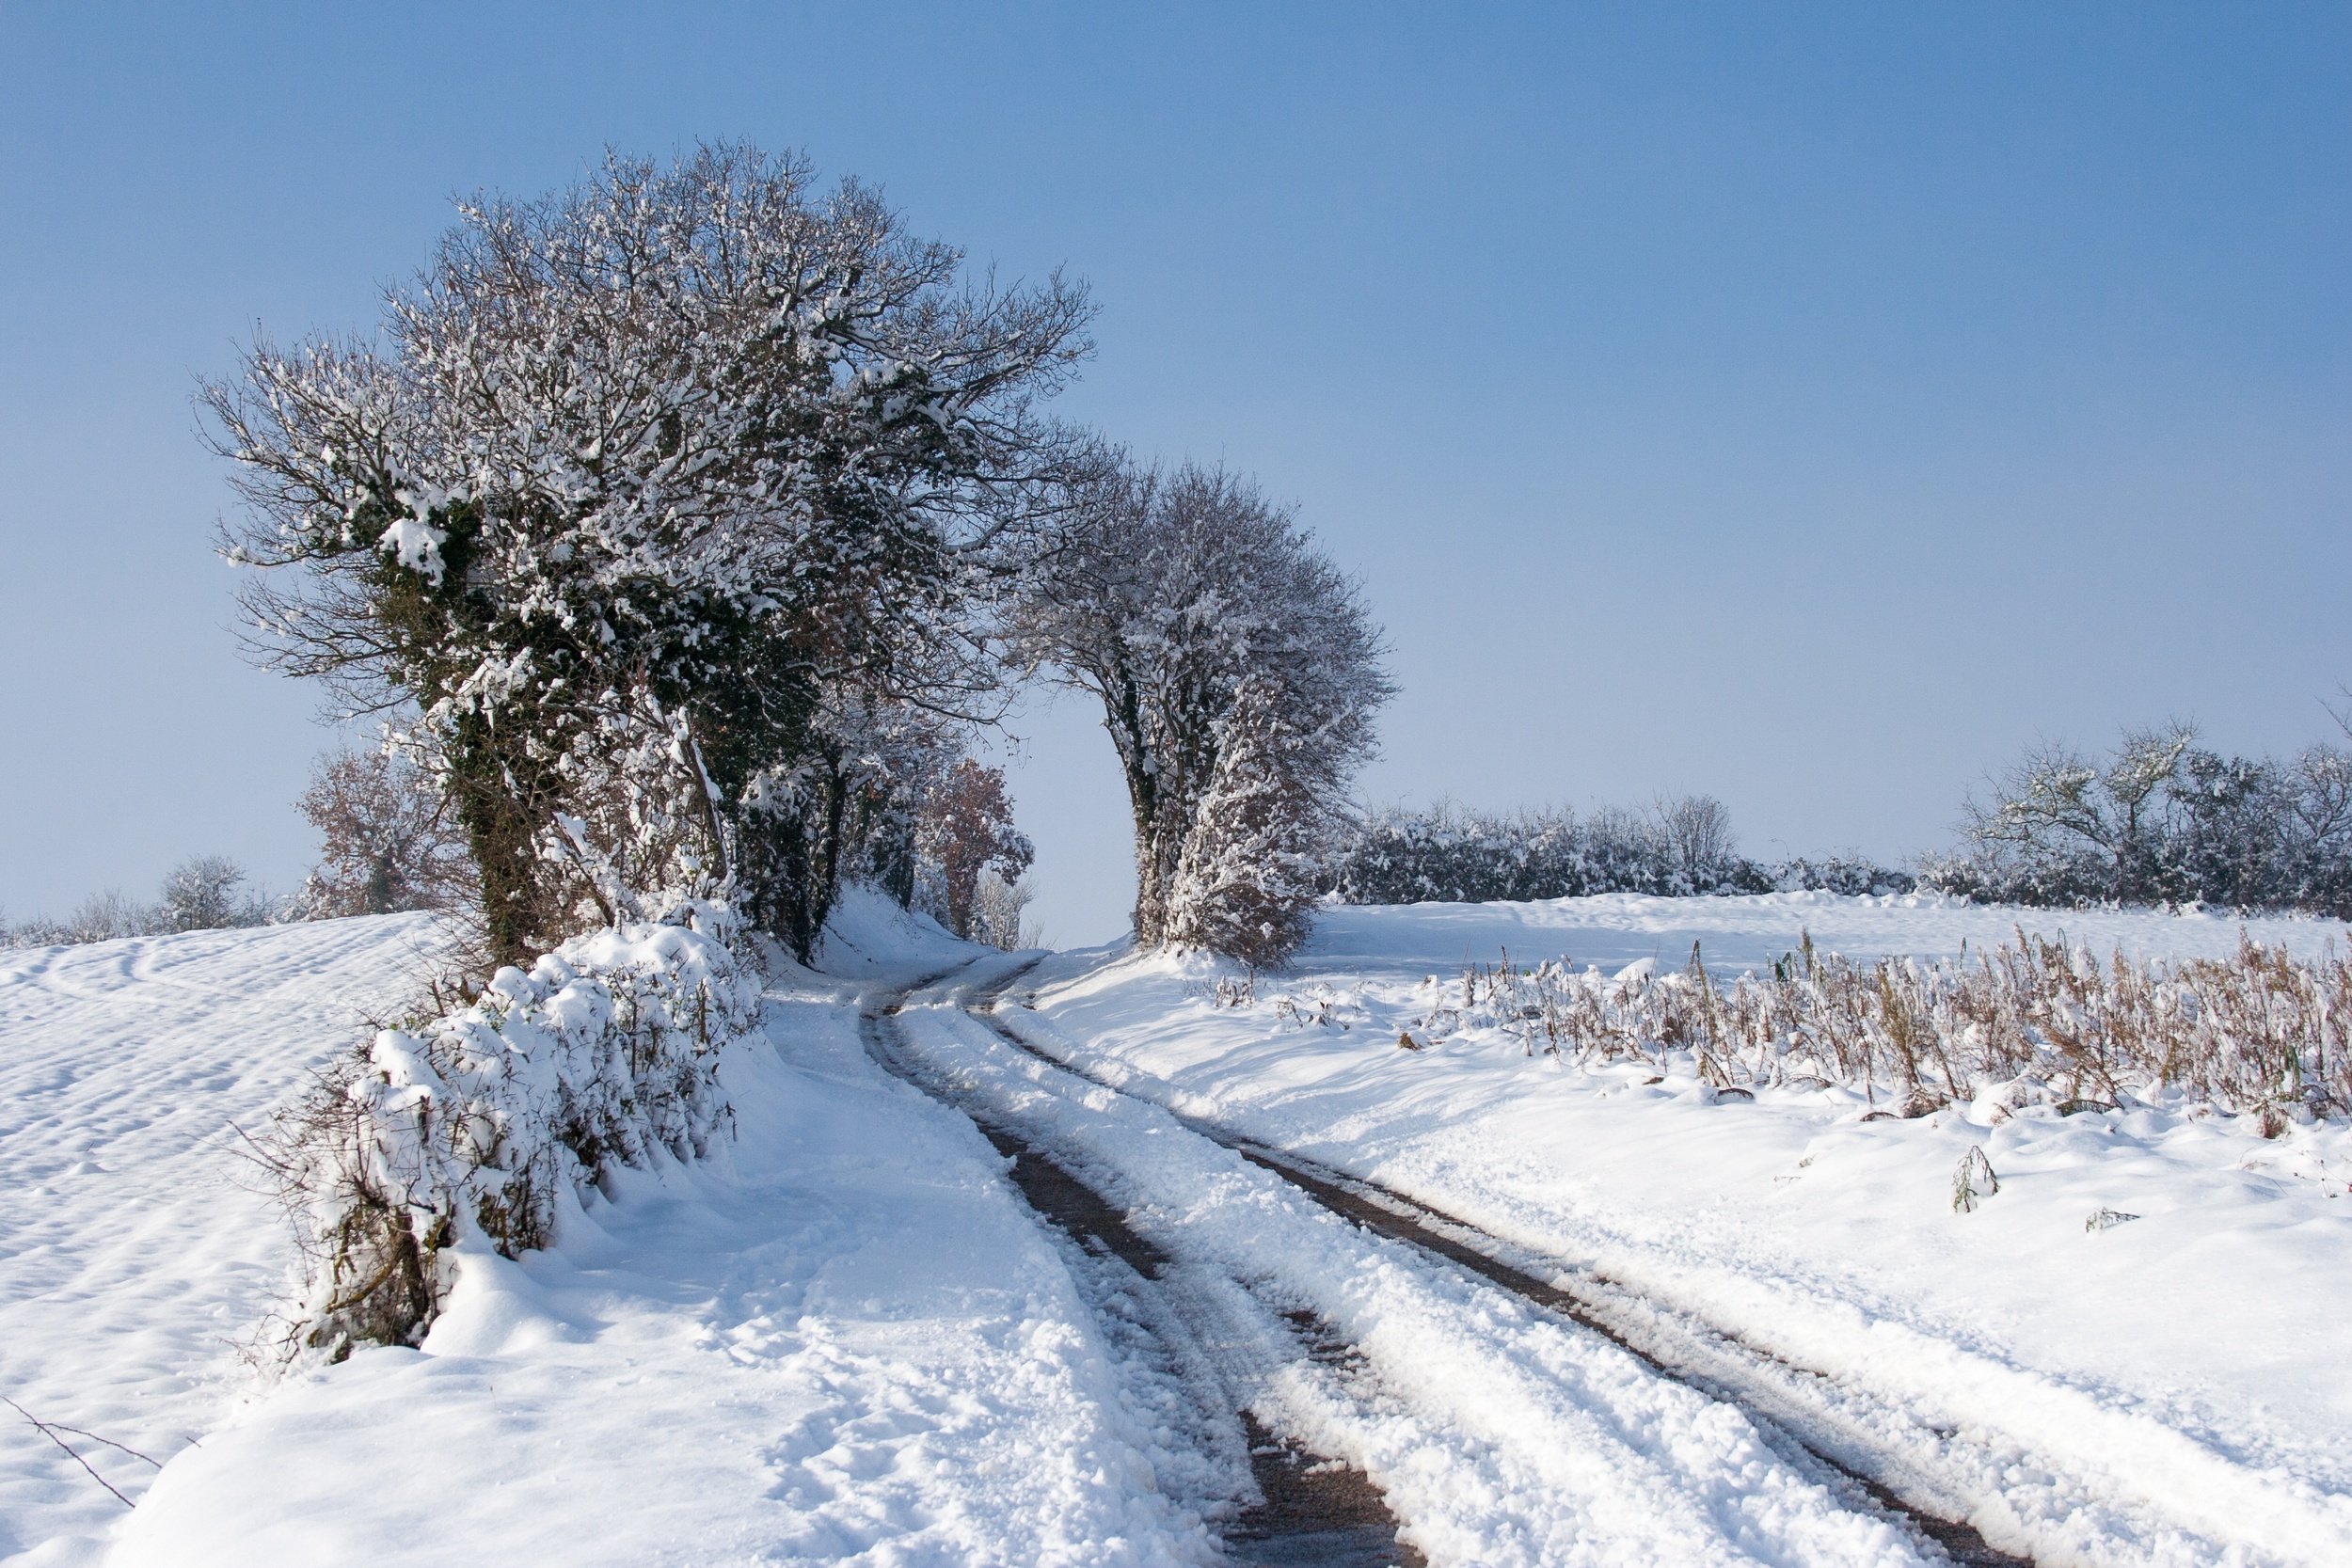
x=1673, y=849
x=469, y=1125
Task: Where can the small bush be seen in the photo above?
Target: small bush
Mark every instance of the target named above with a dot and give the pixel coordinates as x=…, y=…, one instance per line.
x=1973, y=1182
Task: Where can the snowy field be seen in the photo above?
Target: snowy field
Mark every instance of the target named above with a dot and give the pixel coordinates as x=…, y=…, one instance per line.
x=844, y=1338
x=139, y=1256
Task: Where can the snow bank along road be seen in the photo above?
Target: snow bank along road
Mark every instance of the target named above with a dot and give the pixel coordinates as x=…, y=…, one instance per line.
x=848, y=1338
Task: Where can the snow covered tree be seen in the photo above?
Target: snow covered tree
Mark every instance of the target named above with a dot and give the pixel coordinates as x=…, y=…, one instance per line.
x=1245, y=881
x=632, y=474
x=200, y=894
x=2062, y=821
x=2162, y=820
x=388, y=840
x=1166, y=595
x=998, y=918
x=967, y=829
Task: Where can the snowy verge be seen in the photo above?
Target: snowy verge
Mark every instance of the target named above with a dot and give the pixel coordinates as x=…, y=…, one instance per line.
x=840, y=1338
x=835, y=1335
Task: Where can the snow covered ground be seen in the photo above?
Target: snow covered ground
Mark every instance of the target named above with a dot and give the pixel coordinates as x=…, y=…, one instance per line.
x=2171, y=1389
x=845, y=1339
x=138, y=1258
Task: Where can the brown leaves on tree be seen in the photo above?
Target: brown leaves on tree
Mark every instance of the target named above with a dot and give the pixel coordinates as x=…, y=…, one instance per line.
x=965, y=829
x=390, y=842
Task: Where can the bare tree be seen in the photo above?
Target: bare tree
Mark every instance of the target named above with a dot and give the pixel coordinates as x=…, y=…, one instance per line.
x=104, y=916
x=966, y=829
x=389, y=840
x=1697, y=830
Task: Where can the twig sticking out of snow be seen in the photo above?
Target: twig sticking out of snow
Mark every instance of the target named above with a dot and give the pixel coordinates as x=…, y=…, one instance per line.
x=50, y=1431
x=1974, y=1182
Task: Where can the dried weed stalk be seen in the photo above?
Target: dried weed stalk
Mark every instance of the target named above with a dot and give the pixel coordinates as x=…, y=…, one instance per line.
x=2257, y=1032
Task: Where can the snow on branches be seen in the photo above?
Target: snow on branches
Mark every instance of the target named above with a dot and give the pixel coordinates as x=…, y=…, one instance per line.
x=1239, y=674
x=1209, y=626
x=670, y=450
x=1245, y=882
x=2162, y=819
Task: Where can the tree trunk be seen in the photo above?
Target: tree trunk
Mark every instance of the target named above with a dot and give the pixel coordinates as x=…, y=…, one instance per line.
x=495, y=809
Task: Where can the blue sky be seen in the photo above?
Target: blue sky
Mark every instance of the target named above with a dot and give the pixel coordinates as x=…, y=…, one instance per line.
x=1805, y=404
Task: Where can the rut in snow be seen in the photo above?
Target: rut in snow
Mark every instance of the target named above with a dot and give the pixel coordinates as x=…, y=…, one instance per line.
x=1311, y=1509
x=1852, y=1468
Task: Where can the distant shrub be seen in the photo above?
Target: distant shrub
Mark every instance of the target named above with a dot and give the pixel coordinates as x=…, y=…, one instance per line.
x=201, y=894
x=1001, y=907
x=2160, y=820
x=1673, y=847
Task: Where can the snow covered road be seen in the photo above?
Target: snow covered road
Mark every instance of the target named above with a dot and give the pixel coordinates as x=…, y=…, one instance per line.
x=1500, y=1433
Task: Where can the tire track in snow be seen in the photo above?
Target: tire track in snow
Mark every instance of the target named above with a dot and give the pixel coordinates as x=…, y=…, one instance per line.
x=1977, y=1447
x=1392, y=1214
x=1311, y=1508
x=1505, y=1435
